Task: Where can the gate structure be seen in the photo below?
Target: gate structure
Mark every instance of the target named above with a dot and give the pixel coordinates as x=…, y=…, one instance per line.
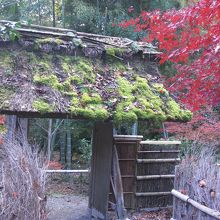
x=60, y=73
x=147, y=171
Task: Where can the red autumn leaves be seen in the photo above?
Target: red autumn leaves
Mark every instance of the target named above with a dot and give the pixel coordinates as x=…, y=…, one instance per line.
x=190, y=38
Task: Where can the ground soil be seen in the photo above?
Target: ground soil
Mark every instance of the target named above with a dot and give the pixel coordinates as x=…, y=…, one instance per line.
x=67, y=199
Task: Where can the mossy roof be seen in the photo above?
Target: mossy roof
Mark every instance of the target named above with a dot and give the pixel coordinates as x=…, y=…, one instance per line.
x=44, y=73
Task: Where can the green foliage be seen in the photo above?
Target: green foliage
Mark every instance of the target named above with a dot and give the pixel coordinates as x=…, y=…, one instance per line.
x=42, y=106
x=85, y=150
x=83, y=15
x=8, y=32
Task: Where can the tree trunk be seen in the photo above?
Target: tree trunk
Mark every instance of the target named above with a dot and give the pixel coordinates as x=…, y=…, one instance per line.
x=68, y=146
x=54, y=135
x=63, y=146
x=49, y=137
x=63, y=13
x=54, y=16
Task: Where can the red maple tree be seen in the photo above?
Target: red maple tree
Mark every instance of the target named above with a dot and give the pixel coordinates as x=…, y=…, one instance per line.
x=203, y=128
x=189, y=38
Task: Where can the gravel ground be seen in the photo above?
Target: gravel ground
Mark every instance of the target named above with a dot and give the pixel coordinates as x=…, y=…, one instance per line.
x=67, y=207
x=74, y=207
x=67, y=200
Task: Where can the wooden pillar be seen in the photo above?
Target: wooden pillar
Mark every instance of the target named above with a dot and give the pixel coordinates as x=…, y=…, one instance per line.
x=100, y=169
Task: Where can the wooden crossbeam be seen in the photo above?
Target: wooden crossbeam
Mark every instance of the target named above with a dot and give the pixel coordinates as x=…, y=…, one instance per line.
x=159, y=151
x=152, y=194
x=170, y=160
x=160, y=142
x=149, y=177
x=66, y=171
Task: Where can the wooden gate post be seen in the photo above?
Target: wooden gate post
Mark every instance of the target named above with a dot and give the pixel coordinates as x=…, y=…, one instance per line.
x=100, y=169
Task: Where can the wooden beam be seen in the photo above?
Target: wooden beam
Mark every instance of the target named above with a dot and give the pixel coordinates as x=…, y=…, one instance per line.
x=149, y=177
x=100, y=169
x=117, y=186
x=160, y=142
x=170, y=160
x=66, y=171
x=153, y=194
x=158, y=151
x=125, y=138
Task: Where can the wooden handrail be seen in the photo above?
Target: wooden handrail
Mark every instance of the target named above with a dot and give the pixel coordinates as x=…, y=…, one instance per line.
x=66, y=171
x=187, y=199
x=161, y=142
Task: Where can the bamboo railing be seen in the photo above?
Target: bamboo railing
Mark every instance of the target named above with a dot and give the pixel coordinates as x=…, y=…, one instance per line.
x=187, y=199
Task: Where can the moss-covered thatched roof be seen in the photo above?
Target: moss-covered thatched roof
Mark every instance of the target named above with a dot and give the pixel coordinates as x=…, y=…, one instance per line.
x=58, y=71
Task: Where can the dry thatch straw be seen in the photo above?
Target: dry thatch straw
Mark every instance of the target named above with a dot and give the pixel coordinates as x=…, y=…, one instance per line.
x=22, y=182
x=198, y=176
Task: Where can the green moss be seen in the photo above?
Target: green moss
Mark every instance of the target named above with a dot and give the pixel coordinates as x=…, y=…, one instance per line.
x=85, y=68
x=85, y=113
x=140, y=101
x=42, y=106
x=176, y=113
x=124, y=87
x=113, y=51
x=118, y=65
x=75, y=102
x=66, y=67
x=101, y=114
x=128, y=117
x=135, y=97
x=76, y=79
x=50, y=80
x=160, y=89
x=56, y=41
x=186, y=115
x=44, y=65
x=94, y=98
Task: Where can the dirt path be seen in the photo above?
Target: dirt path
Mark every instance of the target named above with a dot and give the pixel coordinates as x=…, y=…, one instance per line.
x=74, y=207
x=68, y=201
x=67, y=207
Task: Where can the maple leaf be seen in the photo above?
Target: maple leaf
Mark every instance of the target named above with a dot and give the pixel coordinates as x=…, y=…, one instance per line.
x=188, y=37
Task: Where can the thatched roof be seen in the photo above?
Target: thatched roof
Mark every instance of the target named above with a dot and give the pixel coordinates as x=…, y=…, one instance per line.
x=51, y=71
